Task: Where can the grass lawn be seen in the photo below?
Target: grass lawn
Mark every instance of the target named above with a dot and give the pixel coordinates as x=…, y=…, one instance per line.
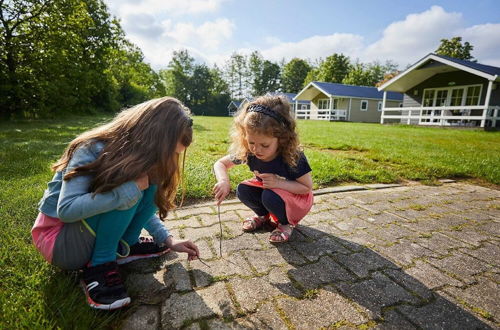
x=35, y=295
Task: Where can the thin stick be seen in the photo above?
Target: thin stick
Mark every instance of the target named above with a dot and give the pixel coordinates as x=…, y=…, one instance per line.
x=203, y=262
x=220, y=226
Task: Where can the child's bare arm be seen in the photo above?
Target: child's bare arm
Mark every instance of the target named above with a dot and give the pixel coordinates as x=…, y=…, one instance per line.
x=301, y=185
x=221, y=167
x=222, y=188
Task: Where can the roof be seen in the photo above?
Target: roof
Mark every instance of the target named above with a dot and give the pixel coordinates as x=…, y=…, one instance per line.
x=334, y=89
x=236, y=103
x=433, y=64
x=492, y=70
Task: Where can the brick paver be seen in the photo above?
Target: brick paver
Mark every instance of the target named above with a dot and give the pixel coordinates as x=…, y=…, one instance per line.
x=388, y=258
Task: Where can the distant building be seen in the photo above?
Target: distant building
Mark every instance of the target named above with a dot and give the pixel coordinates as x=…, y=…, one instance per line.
x=445, y=91
x=233, y=107
x=331, y=101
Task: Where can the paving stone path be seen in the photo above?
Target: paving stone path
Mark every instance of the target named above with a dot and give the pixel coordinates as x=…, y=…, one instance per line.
x=406, y=257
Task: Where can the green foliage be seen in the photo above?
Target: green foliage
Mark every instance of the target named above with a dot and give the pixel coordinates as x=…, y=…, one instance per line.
x=454, y=48
x=334, y=68
x=368, y=74
x=264, y=75
x=312, y=75
x=68, y=55
x=236, y=75
x=196, y=85
x=293, y=75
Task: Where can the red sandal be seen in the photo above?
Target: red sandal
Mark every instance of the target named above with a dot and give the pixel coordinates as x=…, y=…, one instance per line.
x=254, y=223
x=281, y=234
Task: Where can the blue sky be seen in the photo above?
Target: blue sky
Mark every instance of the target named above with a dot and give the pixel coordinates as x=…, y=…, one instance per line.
x=364, y=30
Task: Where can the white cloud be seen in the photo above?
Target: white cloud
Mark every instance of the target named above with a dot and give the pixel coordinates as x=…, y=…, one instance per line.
x=168, y=7
x=209, y=34
x=315, y=47
x=486, y=41
x=419, y=34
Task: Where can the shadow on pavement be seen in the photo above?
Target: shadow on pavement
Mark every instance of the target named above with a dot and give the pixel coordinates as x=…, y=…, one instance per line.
x=369, y=283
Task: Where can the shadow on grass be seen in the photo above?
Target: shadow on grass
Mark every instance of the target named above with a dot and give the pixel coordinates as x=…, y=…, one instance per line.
x=66, y=306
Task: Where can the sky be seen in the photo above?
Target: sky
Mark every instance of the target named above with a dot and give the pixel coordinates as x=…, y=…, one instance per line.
x=401, y=31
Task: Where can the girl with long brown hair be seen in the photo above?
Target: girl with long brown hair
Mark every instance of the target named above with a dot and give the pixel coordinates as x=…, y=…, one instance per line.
x=265, y=138
x=108, y=185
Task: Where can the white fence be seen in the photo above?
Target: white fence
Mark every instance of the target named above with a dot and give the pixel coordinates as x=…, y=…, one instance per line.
x=321, y=114
x=443, y=116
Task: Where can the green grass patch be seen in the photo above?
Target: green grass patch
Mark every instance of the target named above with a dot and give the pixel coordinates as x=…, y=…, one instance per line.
x=34, y=294
x=418, y=207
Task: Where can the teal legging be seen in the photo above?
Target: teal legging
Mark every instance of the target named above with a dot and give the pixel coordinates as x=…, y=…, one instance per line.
x=112, y=227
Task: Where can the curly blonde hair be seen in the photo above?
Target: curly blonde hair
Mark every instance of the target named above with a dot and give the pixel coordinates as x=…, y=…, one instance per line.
x=258, y=123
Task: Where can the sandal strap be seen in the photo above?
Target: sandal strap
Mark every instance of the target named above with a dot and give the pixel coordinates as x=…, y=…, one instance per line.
x=285, y=236
x=256, y=221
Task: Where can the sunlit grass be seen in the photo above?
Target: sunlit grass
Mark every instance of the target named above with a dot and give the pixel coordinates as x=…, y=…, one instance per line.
x=33, y=294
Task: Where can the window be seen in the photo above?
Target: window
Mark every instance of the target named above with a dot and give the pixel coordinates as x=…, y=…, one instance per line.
x=364, y=105
x=324, y=104
x=457, y=95
x=452, y=96
x=428, y=98
x=379, y=106
x=400, y=105
x=472, y=97
x=441, y=98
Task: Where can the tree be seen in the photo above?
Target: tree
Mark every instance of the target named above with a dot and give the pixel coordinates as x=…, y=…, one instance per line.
x=17, y=18
x=368, y=74
x=334, y=68
x=177, y=77
x=255, y=68
x=219, y=94
x=201, y=83
x=134, y=80
x=454, y=48
x=312, y=75
x=293, y=75
x=236, y=72
x=264, y=74
x=358, y=76
x=57, y=56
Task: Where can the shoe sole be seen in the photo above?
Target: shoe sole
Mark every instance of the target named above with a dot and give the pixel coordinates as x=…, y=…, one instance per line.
x=126, y=260
x=115, y=305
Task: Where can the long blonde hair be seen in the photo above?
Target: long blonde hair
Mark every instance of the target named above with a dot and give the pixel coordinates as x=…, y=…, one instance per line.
x=259, y=123
x=139, y=140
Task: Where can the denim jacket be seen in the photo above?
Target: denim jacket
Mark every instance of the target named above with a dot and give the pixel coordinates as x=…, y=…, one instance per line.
x=71, y=201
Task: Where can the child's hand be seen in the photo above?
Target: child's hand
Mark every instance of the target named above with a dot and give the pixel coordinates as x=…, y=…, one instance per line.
x=221, y=190
x=270, y=180
x=142, y=182
x=185, y=246
x=257, y=175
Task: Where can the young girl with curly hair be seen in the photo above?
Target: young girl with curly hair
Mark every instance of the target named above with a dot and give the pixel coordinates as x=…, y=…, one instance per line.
x=107, y=186
x=265, y=138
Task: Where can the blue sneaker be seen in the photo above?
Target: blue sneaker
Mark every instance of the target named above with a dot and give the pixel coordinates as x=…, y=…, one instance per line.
x=103, y=287
x=145, y=248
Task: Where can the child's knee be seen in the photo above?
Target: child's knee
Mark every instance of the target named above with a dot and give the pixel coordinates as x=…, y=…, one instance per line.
x=242, y=190
x=270, y=198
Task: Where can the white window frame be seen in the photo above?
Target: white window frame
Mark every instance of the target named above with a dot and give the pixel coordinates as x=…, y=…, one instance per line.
x=379, y=106
x=361, y=105
x=449, y=92
x=320, y=101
